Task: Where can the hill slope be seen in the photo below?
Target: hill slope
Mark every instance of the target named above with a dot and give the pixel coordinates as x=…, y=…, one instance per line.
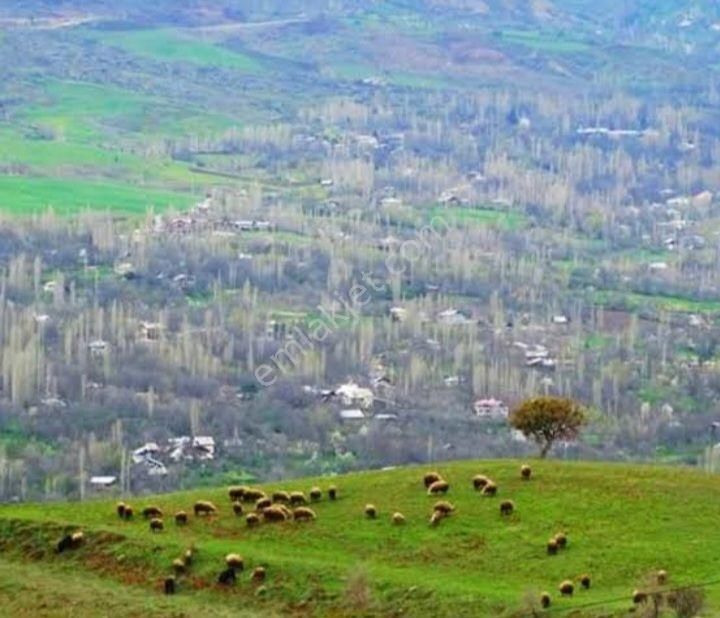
x=622, y=522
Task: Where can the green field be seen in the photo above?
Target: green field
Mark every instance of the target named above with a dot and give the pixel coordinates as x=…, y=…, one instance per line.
x=622, y=522
x=23, y=195
x=171, y=45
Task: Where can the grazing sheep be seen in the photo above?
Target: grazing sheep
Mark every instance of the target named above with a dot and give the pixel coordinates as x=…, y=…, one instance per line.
x=150, y=512
x=128, y=512
x=259, y=574
x=252, y=519
x=490, y=489
x=398, y=519
x=561, y=540
x=281, y=496
x=332, y=492
x=507, y=507
x=639, y=597
x=479, y=481
x=263, y=504
x=227, y=577
x=274, y=514
x=545, y=600
x=552, y=547
x=315, y=494
x=237, y=508
x=285, y=509
x=525, y=472
x=77, y=539
x=370, y=511
x=120, y=509
x=64, y=543
x=203, y=507
x=566, y=588
x=437, y=517
x=179, y=566
x=169, y=585
x=438, y=487
x=297, y=498
x=156, y=524
x=444, y=507
x=430, y=478
x=585, y=581
x=253, y=495
x=235, y=561
x=303, y=513
x=181, y=518
x=236, y=493
x=661, y=577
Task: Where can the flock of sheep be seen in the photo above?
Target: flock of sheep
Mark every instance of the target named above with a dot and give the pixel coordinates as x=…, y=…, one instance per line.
x=257, y=507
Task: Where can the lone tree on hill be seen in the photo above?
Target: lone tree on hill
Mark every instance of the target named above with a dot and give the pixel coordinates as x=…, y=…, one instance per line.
x=548, y=419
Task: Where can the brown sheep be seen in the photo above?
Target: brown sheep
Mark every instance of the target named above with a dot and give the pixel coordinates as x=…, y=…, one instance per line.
x=525, y=472
x=252, y=520
x=545, y=600
x=437, y=517
x=169, y=585
x=150, y=512
x=179, y=566
x=297, y=498
x=490, y=490
x=181, y=518
x=566, y=588
x=639, y=597
x=585, y=581
x=443, y=507
x=120, y=509
x=285, y=509
x=661, y=577
x=252, y=495
x=263, y=504
x=156, y=524
x=274, y=514
x=398, y=519
x=561, y=540
x=507, y=507
x=370, y=511
x=128, y=512
x=332, y=492
x=303, y=513
x=430, y=478
x=438, y=487
x=315, y=494
x=259, y=574
x=236, y=493
x=203, y=507
x=235, y=561
x=552, y=547
x=281, y=496
x=237, y=508
x=479, y=481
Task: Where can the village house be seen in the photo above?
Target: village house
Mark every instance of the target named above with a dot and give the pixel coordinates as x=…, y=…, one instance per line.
x=98, y=347
x=354, y=414
x=103, y=482
x=352, y=394
x=490, y=409
x=150, y=331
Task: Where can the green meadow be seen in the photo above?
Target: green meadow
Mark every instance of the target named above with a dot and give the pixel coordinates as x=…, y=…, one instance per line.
x=25, y=195
x=623, y=523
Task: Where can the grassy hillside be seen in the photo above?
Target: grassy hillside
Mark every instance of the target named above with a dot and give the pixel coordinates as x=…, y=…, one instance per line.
x=623, y=523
